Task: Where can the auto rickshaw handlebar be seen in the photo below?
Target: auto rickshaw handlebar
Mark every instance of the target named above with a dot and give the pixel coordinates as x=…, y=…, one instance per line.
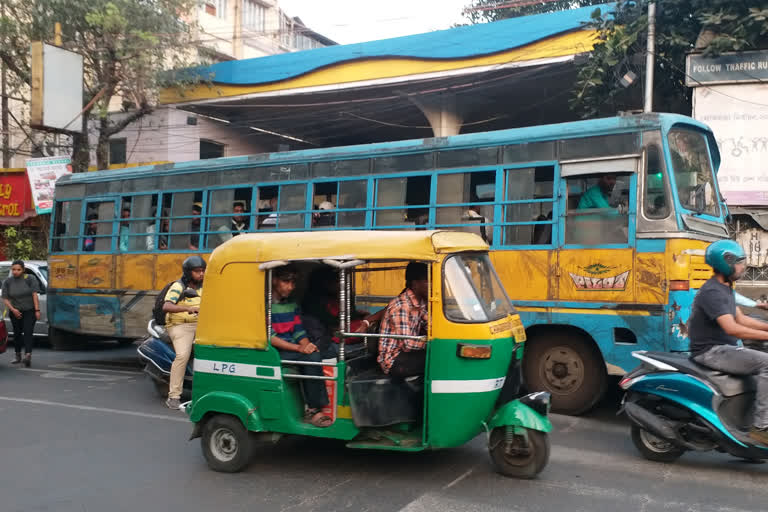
x=392, y=336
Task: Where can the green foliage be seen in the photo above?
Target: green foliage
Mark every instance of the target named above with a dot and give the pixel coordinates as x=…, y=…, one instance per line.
x=127, y=47
x=682, y=26
x=482, y=11
x=21, y=245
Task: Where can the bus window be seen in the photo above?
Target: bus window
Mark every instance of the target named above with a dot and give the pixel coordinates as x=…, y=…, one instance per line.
x=142, y=210
x=293, y=199
x=282, y=207
x=529, y=203
x=67, y=222
x=352, y=199
x=324, y=200
x=228, y=215
x=186, y=214
x=655, y=202
x=97, y=234
x=474, y=193
x=410, y=194
x=597, y=209
x=468, y=157
x=694, y=179
x=267, y=207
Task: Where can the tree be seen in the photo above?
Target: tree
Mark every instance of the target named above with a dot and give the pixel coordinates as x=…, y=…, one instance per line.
x=127, y=46
x=481, y=11
x=682, y=26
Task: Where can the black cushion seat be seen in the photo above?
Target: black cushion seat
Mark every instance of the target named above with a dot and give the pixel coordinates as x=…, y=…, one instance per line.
x=727, y=384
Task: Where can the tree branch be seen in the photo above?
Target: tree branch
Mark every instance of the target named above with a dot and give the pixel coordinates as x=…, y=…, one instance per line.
x=119, y=126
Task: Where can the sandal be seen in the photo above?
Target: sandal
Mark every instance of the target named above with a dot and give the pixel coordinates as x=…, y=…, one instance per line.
x=317, y=418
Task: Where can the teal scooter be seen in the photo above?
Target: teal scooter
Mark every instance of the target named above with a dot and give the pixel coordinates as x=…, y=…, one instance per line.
x=676, y=405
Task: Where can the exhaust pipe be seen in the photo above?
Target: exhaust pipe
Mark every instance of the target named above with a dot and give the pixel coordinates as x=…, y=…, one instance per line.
x=654, y=424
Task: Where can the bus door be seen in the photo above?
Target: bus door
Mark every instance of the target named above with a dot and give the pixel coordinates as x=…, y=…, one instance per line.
x=597, y=230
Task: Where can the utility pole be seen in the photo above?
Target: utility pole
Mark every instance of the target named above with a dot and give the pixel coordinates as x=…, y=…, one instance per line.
x=4, y=107
x=650, y=57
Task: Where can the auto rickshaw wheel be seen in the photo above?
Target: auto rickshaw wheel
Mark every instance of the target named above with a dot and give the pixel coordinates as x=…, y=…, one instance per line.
x=569, y=367
x=517, y=457
x=227, y=445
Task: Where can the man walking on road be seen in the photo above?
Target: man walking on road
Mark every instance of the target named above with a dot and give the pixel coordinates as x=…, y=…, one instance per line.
x=182, y=304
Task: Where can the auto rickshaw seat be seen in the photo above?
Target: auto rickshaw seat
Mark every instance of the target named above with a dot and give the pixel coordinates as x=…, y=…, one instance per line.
x=379, y=400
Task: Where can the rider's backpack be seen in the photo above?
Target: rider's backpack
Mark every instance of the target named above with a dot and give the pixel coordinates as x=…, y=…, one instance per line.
x=157, y=311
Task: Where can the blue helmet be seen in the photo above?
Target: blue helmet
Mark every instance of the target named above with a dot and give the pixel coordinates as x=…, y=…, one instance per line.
x=723, y=255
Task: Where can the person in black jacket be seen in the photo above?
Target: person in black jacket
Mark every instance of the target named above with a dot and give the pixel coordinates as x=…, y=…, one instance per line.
x=20, y=297
x=320, y=313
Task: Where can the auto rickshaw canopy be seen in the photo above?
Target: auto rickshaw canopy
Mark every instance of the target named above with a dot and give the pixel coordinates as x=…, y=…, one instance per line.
x=343, y=245
x=233, y=311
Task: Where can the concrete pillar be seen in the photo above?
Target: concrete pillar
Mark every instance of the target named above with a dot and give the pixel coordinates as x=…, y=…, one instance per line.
x=441, y=112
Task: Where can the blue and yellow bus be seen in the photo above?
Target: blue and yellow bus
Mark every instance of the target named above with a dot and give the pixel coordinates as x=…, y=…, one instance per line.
x=597, y=229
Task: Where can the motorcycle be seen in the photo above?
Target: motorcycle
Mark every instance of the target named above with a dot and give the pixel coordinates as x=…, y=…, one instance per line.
x=676, y=405
x=158, y=354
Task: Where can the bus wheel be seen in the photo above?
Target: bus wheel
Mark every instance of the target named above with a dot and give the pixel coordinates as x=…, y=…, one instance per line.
x=569, y=367
x=63, y=340
x=227, y=447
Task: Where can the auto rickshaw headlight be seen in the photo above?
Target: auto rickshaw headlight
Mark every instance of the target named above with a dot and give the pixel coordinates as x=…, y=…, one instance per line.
x=473, y=351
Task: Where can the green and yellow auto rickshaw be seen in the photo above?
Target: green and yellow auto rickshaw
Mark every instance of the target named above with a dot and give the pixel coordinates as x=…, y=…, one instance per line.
x=243, y=393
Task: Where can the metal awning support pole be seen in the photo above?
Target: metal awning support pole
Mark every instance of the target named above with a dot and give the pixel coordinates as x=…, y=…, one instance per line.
x=650, y=57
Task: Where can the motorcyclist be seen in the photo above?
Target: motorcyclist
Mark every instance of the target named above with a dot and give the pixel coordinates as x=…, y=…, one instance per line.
x=181, y=320
x=717, y=324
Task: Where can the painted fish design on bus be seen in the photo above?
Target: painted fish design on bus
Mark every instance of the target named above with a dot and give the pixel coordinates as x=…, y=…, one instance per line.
x=612, y=283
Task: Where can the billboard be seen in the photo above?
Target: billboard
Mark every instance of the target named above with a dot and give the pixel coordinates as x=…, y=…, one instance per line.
x=15, y=199
x=43, y=173
x=57, y=88
x=738, y=115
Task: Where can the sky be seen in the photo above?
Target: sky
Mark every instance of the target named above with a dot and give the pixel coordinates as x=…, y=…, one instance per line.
x=354, y=21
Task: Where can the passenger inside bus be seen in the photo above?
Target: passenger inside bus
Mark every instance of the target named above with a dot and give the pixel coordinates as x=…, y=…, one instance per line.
x=89, y=242
x=474, y=215
x=325, y=217
x=194, y=227
x=238, y=224
x=269, y=221
x=599, y=195
x=162, y=239
x=125, y=228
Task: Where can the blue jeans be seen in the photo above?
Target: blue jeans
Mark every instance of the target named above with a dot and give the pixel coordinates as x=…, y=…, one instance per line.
x=315, y=393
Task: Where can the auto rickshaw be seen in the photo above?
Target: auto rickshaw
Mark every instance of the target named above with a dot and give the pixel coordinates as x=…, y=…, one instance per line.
x=242, y=393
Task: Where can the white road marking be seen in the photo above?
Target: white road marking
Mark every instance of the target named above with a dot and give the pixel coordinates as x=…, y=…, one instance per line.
x=96, y=368
x=460, y=478
x=84, y=376
x=94, y=409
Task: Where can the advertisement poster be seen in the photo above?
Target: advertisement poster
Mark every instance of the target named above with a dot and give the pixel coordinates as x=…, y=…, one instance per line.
x=43, y=173
x=738, y=115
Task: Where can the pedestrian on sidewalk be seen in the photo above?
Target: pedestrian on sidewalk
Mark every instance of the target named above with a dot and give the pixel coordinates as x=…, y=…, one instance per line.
x=20, y=297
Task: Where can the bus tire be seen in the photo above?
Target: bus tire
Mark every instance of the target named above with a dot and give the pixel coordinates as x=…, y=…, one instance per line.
x=569, y=367
x=63, y=340
x=227, y=445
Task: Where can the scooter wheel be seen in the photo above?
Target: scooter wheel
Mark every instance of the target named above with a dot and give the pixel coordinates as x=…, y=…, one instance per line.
x=654, y=448
x=519, y=465
x=227, y=447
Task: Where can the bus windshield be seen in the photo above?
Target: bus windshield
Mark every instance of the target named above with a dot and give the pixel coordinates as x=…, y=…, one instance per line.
x=472, y=290
x=694, y=178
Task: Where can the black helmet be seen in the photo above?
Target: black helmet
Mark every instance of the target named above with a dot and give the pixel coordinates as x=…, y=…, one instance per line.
x=190, y=264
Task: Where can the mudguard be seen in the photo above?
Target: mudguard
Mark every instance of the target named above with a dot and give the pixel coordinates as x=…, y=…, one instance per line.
x=226, y=403
x=517, y=414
